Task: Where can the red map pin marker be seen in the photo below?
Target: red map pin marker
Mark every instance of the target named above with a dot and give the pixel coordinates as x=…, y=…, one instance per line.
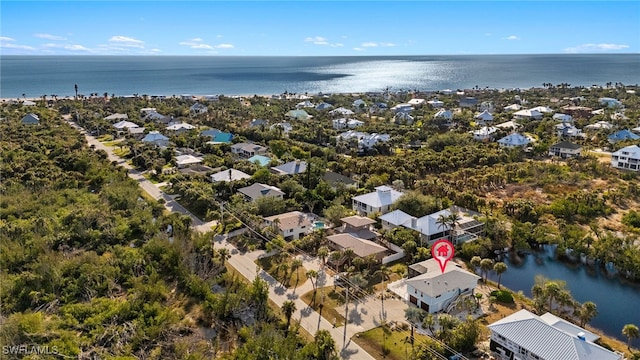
x=442, y=250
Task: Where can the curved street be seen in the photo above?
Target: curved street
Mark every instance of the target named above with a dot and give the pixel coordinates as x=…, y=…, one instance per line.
x=245, y=264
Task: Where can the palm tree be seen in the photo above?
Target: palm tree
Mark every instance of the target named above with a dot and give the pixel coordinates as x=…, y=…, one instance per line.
x=348, y=254
x=323, y=253
x=453, y=221
x=76, y=87
x=475, y=262
x=385, y=274
x=631, y=332
x=288, y=308
x=499, y=268
x=443, y=222
x=312, y=275
x=325, y=344
x=295, y=264
x=486, y=265
x=551, y=290
x=586, y=312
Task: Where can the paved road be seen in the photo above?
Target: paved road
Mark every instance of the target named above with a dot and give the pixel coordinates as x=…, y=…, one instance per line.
x=146, y=185
x=309, y=319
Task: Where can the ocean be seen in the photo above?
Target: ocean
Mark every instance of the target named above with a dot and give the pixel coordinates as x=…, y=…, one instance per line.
x=35, y=76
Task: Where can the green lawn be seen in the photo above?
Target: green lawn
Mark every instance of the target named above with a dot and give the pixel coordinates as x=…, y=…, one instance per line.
x=330, y=301
x=290, y=280
x=396, y=343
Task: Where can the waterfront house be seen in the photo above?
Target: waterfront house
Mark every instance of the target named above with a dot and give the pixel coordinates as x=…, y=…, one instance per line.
x=610, y=102
x=512, y=107
x=30, y=119
x=434, y=290
x=377, y=202
x=304, y=104
x=431, y=227
x=565, y=150
x=257, y=191
x=291, y=225
x=526, y=336
x=156, y=138
x=290, y=168
x=627, y=158
x=247, y=150
x=514, y=140
x=229, y=175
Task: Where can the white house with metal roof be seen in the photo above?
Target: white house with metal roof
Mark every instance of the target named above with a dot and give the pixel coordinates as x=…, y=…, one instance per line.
x=379, y=201
x=526, y=336
x=627, y=158
x=434, y=290
x=514, y=140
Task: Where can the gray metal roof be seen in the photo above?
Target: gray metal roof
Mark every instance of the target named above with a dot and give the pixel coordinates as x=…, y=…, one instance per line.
x=531, y=332
x=258, y=190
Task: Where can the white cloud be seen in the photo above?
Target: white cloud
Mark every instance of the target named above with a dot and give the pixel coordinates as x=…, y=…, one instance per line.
x=49, y=37
x=126, y=41
x=155, y=50
x=16, y=46
x=358, y=49
x=70, y=47
x=369, y=44
x=318, y=40
x=512, y=37
x=224, y=46
x=202, y=46
x=337, y=45
x=596, y=48
x=5, y=38
x=387, y=44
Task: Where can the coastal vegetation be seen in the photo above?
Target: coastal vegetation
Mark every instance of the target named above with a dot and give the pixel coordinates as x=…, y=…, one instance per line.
x=89, y=266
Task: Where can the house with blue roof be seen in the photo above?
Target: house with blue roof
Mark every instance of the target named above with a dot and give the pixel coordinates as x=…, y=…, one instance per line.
x=622, y=135
x=31, y=119
x=155, y=138
x=210, y=133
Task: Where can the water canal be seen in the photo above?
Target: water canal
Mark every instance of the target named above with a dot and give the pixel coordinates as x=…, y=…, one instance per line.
x=618, y=301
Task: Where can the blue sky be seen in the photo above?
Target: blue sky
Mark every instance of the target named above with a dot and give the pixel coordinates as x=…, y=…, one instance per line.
x=317, y=28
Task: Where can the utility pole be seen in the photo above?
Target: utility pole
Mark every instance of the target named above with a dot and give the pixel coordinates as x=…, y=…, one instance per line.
x=346, y=317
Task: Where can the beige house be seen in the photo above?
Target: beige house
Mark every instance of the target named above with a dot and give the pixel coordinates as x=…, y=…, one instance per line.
x=292, y=225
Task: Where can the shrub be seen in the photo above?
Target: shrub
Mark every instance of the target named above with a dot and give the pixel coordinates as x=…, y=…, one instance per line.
x=503, y=296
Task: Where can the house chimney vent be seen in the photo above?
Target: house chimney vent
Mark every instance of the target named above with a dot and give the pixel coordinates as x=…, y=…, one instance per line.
x=581, y=336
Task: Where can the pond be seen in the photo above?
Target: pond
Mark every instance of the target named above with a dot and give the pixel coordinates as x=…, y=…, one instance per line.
x=617, y=300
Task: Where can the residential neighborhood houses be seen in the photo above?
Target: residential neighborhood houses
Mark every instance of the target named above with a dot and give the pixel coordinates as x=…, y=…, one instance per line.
x=254, y=161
